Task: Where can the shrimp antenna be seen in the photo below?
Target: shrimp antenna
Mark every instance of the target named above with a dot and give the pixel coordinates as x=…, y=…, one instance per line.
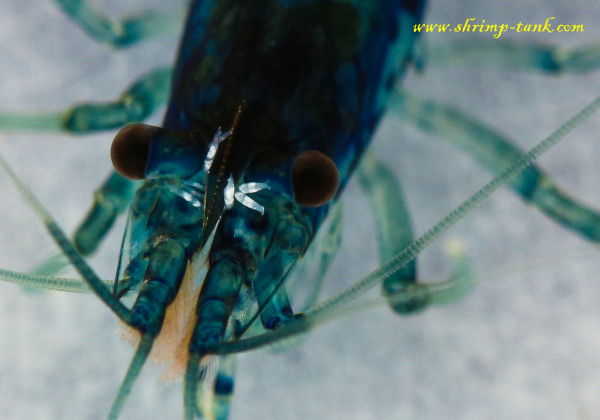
x=331, y=308
x=64, y=243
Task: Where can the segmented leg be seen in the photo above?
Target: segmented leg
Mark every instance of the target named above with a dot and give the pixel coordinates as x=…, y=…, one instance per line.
x=216, y=403
x=495, y=152
x=134, y=105
x=518, y=56
x=120, y=33
x=272, y=296
x=113, y=197
x=339, y=304
x=394, y=233
x=163, y=277
x=331, y=243
x=215, y=304
x=393, y=226
x=110, y=200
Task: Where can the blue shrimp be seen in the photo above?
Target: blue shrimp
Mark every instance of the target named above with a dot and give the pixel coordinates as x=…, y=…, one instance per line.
x=387, y=361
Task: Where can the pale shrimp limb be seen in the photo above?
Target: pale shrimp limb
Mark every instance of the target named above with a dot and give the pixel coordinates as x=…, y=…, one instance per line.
x=112, y=198
x=136, y=103
x=61, y=239
x=272, y=297
x=444, y=292
x=393, y=228
x=330, y=246
x=517, y=56
x=214, y=399
x=224, y=278
x=167, y=263
x=110, y=201
x=335, y=306
x=495, y=152
x=124, y=32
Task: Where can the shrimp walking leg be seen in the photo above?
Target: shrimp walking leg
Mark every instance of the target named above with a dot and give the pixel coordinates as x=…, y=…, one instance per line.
x=120, y=33
x=394, y=233
x=217, y=299
x=495, y=152
x=216, y=402
x=162, y=278
x=113, y=197
x=331, y=243
x=459, y=282
x=135, y=104
x=110, y=200
x=392, y=225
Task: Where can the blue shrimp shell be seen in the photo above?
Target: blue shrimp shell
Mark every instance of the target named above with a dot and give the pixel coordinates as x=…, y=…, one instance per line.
x=530, y=338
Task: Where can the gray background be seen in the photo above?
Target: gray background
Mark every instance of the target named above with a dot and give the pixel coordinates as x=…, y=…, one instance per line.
x=525, y=344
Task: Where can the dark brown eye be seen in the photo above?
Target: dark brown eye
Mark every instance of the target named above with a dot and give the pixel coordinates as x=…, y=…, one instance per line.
x=130, y=148
x=315, y=178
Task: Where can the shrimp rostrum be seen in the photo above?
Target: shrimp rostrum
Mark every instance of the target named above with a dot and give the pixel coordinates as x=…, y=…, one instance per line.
x=271, y=108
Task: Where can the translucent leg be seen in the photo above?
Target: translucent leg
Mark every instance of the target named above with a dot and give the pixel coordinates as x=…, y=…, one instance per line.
x=392, y=226
x=332, y=242
x=271, y=296
x=110, y=200
x=120, y=33
x=216, y=403
x=495, y=152
x=134, y=105
x=217, y=298
x=518, y=56
x=167, y=263
x=66, y=246
x=340, y=304
x=394, y=234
